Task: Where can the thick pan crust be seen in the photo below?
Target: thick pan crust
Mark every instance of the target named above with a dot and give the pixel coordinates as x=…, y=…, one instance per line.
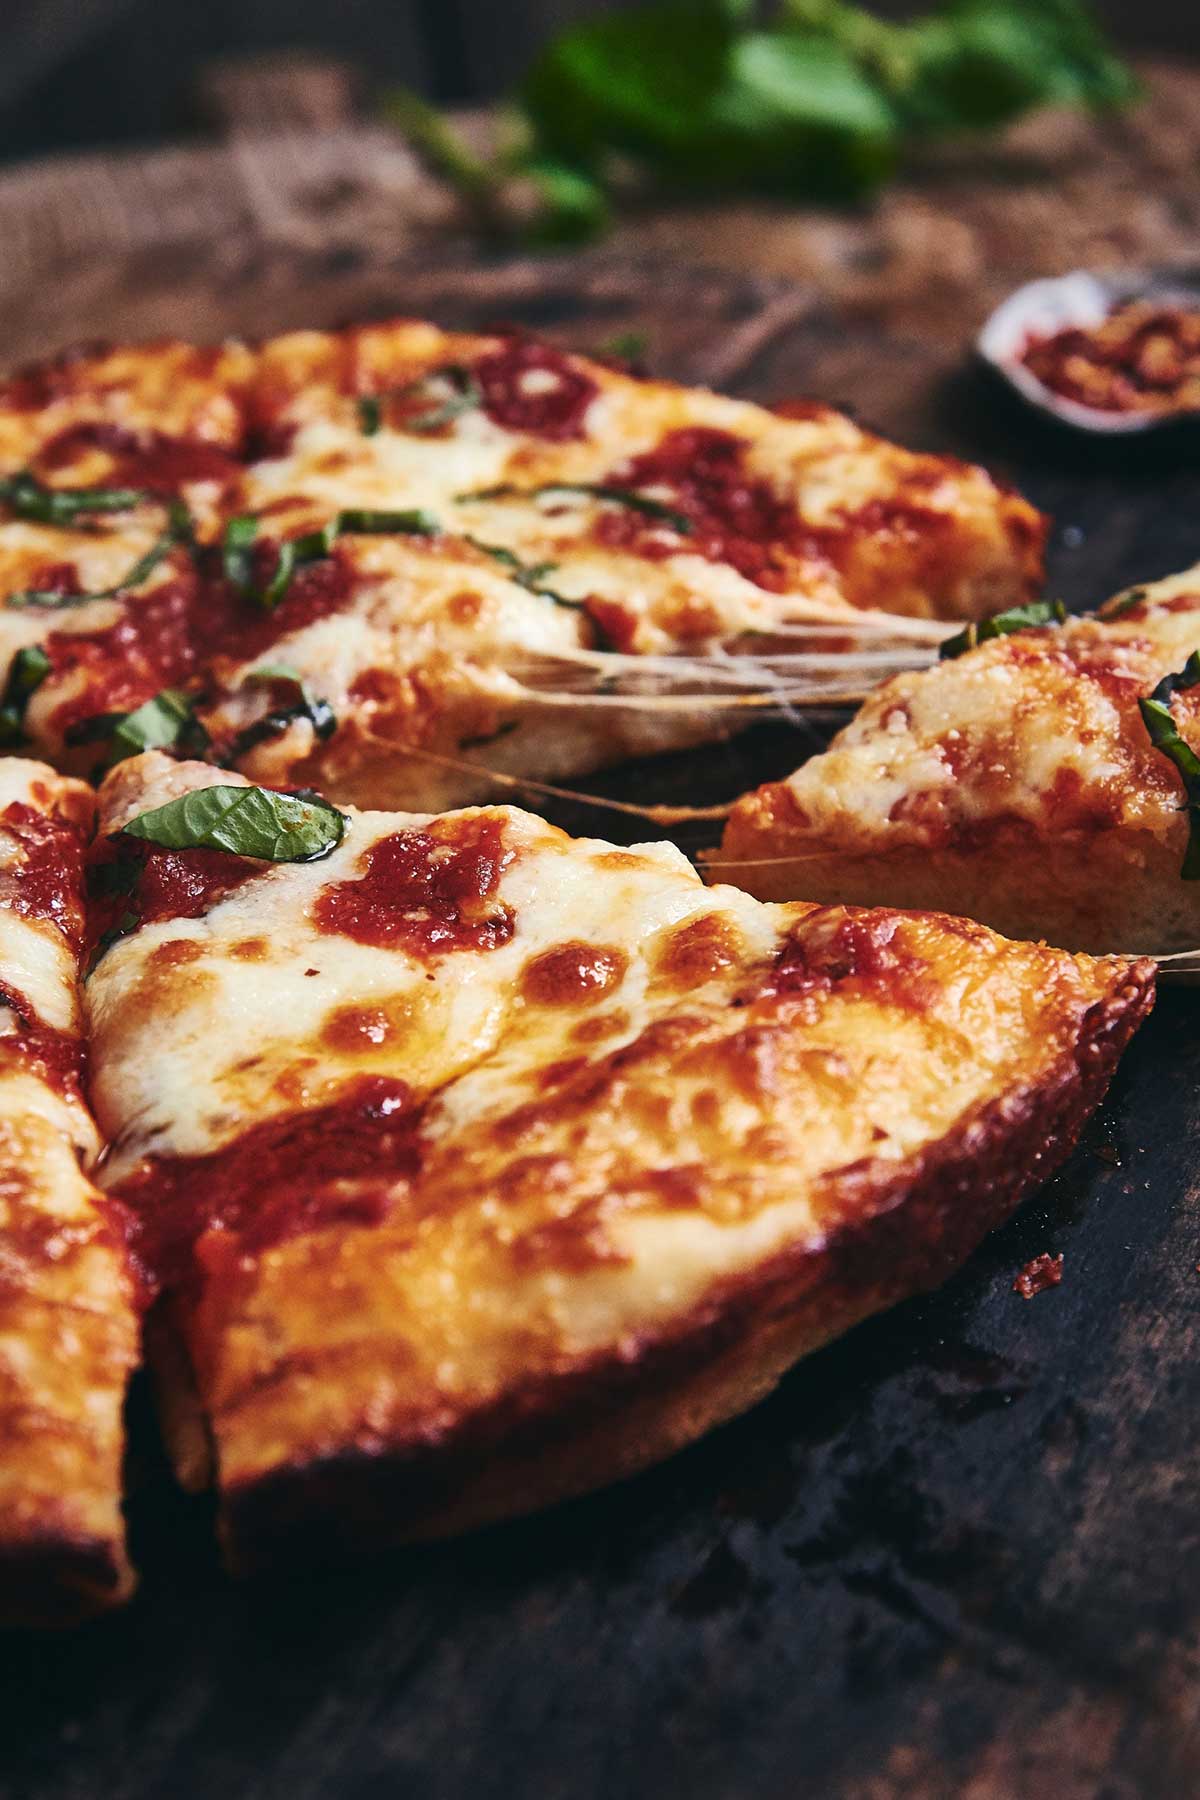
x=1016, y=785
x=661, y=1141
x=68, y=1319
x=473, y=637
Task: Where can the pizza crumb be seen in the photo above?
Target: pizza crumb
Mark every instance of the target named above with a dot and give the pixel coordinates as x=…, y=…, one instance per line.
x=1042, y=1273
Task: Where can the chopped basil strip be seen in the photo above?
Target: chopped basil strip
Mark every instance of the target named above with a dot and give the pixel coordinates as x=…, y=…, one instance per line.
x=1120, y=604
x=28, y=498
x=26, y=672
x=166, y=722
x=527, y=575
x=318, y=712
x=247, y=821
x=295, y=553
x=596, y=490
x=465, y=395
x=1164, y=735
x=1017, y=618
x=179, y=530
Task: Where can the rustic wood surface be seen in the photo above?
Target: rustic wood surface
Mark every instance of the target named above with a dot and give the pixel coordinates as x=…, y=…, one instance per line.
x=958, y=1554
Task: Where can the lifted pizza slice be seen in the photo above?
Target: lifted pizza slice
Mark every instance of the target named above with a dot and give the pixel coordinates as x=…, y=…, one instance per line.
x=68, y=1316
x=1043, y=779
x=343, y=556
x=476, y=1166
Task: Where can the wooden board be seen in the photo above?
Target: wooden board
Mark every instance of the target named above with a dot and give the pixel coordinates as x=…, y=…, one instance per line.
x=957, y=1554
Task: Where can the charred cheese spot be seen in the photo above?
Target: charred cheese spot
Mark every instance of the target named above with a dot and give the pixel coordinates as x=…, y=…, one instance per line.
x=360, y=1030
x=174, y=953
x=598, y=1026
x=696, y=951
x=251, y=949
x=573, y=974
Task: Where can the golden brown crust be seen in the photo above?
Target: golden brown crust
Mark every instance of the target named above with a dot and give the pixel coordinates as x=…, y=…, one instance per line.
x=68, y=1312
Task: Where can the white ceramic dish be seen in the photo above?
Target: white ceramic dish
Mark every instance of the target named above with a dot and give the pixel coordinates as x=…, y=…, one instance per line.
x=1042, y=308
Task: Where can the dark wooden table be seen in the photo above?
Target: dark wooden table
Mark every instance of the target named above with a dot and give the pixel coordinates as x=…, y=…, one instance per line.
x=958, y=1554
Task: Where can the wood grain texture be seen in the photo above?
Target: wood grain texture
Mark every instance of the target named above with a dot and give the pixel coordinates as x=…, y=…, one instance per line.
x=958, y=1554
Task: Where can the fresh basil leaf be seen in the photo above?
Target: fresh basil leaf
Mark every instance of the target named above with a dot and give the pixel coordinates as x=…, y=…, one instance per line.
x=623, y=347
x=247, y=821
x=465, y=395
x=527, y=575
x=28, y=498
x=26, y=672
x=370, y=415
x=1018, y=618
x=979, y=63
x=167, y=722
x=574, y=207
x=596, y=490
x=306, y=705
x=1164, y=735
x=180, y=529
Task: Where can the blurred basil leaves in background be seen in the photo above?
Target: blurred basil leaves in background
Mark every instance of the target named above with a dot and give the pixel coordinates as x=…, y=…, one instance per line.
x=819, y=100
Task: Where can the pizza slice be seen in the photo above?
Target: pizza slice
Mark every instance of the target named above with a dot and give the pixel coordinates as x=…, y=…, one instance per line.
x=475, y=1165
x=1043, y=778
x=68, y=1318
x=355, y=558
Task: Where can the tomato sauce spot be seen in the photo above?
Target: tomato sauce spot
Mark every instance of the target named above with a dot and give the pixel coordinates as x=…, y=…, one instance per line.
x=339, y=1164
x=46, y=879
x=859, y=955
x=56, y=1057
x=426, y=892
x=536, y=389
x=149, y=459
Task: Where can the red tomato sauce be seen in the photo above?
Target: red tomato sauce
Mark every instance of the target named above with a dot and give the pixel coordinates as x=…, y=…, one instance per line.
x=130, y=879
x=194, y=1215
x=55, y=1056
x=148, y=459
x=426, y=892
x=46, y=882
x=519, y=394
x=736, y=517
x=168, y=635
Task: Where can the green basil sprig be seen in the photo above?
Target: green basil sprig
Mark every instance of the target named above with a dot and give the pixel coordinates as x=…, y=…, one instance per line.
x=595, y=490
x=1164, y=735
x=241, y=534
x=26, y=672
x=1120, y=604
x=306, y=705
x=165, y=722
x=247, y=821
x=1005, y=624
x=180, y=529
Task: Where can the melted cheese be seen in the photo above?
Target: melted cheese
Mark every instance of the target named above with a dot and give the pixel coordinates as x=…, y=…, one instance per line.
x=597, y=1158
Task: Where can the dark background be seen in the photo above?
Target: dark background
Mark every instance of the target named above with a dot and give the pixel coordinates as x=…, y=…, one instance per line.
x=76, y=72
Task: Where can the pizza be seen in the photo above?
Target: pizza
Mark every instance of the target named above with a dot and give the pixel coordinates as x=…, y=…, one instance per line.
x=1043, y=778
x=358, y=560
x=471, y=1165
x=68, y=1302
